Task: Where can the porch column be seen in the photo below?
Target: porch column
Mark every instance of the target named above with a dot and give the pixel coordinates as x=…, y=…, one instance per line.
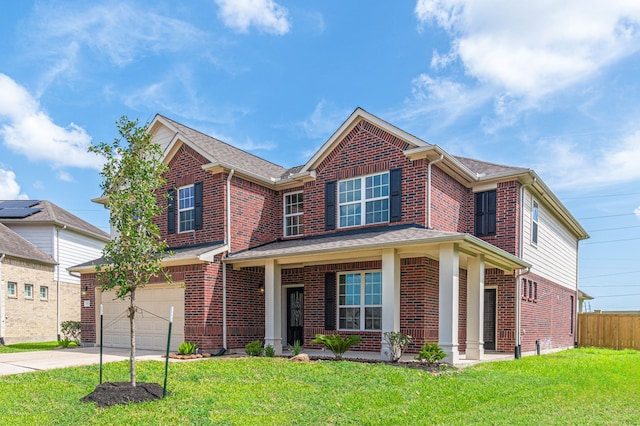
x=448, y=306
x=272, y=306
x=475, y=308
x=390, y=297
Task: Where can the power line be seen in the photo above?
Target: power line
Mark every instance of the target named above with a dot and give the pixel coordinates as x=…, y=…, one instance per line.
x=613, y=229
x=610, y=275
x=611, y=285
x=611, y=241
x=601, y=196
x=611, y=215
x=617, y=295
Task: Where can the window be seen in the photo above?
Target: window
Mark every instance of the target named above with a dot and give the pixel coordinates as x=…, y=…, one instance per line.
x=44, y=293
x=485, y=213
x=186, y=211
x=524, y=288
x=12, y=289
x=28, y=291
x=530, y=290
x=534, y=222
x=360, y=297
x=364, y=200
x=535, y=291
x=293, y=211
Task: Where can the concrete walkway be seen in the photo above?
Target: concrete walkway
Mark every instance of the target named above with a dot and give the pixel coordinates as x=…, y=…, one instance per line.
x=24, y=362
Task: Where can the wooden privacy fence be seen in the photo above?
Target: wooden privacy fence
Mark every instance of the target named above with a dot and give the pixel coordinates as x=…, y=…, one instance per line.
x=615, y=331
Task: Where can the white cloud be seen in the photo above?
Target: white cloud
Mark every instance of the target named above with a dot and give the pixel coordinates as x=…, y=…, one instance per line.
x=9, y=188
x=531, y=49
x=29, y=131
x=266, y=15
x=64, y=176
x=636, y=211
x=576, y=166
x=324, y=120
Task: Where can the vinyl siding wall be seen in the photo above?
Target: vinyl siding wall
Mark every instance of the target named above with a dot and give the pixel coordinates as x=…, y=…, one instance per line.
x=554, y=257
x=76, y=249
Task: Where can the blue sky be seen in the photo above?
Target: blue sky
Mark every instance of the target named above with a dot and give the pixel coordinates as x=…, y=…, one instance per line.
x=546, y=85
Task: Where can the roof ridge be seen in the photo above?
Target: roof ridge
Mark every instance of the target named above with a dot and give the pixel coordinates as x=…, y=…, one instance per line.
x=488, y=162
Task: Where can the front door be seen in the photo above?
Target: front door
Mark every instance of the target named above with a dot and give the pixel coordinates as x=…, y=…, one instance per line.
x=490, y=319
x=295, y=315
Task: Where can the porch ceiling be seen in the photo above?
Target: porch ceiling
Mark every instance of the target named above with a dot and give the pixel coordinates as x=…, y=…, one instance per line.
x=353, y=246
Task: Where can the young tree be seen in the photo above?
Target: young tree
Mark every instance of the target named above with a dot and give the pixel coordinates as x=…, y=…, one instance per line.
x=132, y=174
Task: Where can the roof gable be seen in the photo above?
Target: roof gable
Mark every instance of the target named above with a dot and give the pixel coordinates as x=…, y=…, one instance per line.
x=14, y=245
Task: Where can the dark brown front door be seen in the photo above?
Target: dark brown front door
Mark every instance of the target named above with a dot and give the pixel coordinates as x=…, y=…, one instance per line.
x=490, y=319
x=295, y=315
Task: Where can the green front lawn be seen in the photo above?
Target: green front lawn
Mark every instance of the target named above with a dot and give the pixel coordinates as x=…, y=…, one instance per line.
x=582, y=386
x=28, y=347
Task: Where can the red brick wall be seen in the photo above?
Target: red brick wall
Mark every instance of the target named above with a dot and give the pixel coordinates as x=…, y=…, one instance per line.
x=547, y=318
x=506, y=308
x=245, y=306
x=507, y=217
x=449, y=203
x=88, y=314
x=366, y=150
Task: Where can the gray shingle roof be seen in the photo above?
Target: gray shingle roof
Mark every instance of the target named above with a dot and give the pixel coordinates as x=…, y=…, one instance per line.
x=486, y=169
x=14, y=245
x=51, y=213
x=230, y=155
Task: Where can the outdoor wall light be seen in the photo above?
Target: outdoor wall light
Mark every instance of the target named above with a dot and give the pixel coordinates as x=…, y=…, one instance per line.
x=261, y=287
x=85, y=289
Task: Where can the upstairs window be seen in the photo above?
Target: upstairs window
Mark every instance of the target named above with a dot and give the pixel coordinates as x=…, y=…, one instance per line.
x=44, y=293
x=293, y=214
x=28, y=291
x=364, y=200
x=12, y=289
x=534, y=222
x=485, y=213
x=186, y=210
x=360, y=301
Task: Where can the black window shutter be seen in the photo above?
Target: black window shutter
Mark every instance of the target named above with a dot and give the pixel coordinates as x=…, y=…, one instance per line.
x=479, y=213
x=197, y=204
x=330, y=301
x=491, y=213
x=171, y=211
x=395, y=195
x=330, y=205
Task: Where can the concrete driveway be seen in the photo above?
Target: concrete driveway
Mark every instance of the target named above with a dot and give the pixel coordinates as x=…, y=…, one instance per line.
x=24, y=362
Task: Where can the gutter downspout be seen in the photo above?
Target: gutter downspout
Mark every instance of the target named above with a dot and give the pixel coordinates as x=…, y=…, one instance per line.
x=576, y=300
x=1, y=302
x=224, y=265
x=429, y=189
x=58, y=279
x=518, y=348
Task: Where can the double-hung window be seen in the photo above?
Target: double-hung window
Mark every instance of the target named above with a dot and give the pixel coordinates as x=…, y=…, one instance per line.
x=364, y=200
x=12, y=289
x=360, y=301
x=186, y=208
x=293, y=214
x=534, y=222
x=44, y=293
x=28, y=291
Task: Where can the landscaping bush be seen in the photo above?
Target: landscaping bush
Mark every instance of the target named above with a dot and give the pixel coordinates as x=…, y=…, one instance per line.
x=336, y=343
x=295, y=348
x=254, y=348
x=187, y=348
x=71, y=331
x=269, y=351
x=430, y=353
x=397, y=342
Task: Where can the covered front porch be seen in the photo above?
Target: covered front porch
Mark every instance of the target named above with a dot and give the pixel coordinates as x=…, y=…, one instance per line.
x=382, y=250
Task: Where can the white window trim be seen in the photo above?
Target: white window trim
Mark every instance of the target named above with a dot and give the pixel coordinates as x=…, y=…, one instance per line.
x=535, y=222
x=362, y=305
x=25, y=291
x=363, y=200
x=46, y=297
x=285, y=215
x=180, y=231
x=15, y=290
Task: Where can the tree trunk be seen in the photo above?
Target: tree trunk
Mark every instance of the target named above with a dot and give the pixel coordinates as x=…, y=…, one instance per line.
x=132, y=323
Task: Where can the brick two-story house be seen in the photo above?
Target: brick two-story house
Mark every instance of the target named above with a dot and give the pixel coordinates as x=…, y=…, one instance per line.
x=378, y=231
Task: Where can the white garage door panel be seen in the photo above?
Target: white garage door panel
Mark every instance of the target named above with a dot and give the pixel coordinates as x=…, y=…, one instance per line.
x=151, y=331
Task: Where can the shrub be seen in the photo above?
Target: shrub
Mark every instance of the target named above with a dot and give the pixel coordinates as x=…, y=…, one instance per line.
x=254, y=348
x=187, y=348
x=431, y=353
x=65, y=342
x=295, y=349
x=70, y=332
x=269, y=351
x=397, y=342
x=337, y=344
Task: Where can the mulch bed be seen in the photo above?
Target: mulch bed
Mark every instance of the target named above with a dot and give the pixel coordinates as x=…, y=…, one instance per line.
x=435, y=369
x=112, y=393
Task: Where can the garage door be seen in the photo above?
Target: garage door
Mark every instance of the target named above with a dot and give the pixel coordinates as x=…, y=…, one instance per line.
x=152, y=324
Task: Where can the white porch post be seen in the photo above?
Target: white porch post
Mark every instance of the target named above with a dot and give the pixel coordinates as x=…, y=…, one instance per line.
x=390, y=297
x=475, y=308
x=448, y=307
x=272, y=306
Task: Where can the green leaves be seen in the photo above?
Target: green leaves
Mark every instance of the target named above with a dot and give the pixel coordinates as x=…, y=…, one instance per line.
x=336, y=343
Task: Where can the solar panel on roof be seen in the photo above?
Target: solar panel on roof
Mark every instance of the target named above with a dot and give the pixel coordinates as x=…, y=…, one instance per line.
x=18, y=204
x=17, y=213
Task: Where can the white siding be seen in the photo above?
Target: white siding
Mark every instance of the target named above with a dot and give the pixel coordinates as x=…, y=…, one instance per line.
x=75, y=249
x=163, y=137
x=40, y=236
x=554, y=257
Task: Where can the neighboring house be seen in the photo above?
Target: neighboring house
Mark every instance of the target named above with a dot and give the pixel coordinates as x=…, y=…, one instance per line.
x=379, y=231
x=66, y=240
